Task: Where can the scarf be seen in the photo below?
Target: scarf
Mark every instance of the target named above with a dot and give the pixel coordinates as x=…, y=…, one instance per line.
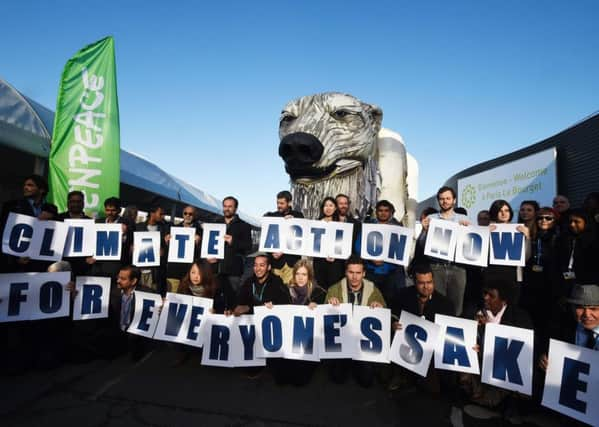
x=299, y=295
x=197, y=291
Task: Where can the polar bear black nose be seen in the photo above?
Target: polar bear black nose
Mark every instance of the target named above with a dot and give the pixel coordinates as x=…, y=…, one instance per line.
x=300, y=149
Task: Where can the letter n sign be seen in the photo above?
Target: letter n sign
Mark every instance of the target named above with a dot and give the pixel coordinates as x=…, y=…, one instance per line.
x=441, y=239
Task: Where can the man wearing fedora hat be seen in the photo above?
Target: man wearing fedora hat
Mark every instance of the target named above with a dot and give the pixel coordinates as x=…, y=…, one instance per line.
x=585, y=332
x=585, y=299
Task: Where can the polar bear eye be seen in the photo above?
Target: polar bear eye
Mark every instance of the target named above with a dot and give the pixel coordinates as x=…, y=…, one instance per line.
x=340, y=114
x=287, y=118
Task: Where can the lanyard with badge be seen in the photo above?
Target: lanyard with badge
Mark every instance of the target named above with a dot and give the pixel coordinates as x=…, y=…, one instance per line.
x=258, y=297
x=569, y=275
x=537, y=267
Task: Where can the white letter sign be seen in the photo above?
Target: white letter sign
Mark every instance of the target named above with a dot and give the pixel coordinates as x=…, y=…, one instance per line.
x=441, y=239
x=213, y=241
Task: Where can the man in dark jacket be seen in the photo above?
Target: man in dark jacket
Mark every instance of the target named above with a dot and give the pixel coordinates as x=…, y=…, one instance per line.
x=498, y=308
x=122, y=309
x=263, y=287
x=35, y=188
x=583, y=329
x=389, y=278
x=345, y=215
x=155, y=277
x=75, y=205
x=112, y=208
x=282, y=264
x=422, y=299
x=238, y=243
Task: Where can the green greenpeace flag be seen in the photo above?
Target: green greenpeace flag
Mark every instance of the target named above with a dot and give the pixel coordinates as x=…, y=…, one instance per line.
x=85, y=152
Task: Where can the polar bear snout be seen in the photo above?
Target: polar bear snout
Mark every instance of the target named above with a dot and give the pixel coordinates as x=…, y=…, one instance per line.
x=300, y=151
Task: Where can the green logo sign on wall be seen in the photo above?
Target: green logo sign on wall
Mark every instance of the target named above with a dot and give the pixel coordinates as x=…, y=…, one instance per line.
x=469, y=196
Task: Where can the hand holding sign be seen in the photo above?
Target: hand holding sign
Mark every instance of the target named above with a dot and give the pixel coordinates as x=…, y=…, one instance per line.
x=213, y=243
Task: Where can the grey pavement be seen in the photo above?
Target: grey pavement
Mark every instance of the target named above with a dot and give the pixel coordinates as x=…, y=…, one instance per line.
x=154, y=392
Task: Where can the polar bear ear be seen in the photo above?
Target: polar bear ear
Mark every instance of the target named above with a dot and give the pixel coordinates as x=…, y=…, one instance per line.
x=377, y=116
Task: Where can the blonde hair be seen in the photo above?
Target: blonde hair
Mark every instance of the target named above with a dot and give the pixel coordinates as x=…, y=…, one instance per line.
x=308, y=266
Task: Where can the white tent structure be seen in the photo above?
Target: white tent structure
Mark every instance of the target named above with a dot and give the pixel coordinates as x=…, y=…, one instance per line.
x=25, y=137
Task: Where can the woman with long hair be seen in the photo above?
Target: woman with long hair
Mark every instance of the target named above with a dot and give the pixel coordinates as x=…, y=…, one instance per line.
x=527, y=215
x=302, y=288
x=579, y=251
x=500, y=212
x=328, y=271
x=303, y=291
x=541, y=274
x=199, y=281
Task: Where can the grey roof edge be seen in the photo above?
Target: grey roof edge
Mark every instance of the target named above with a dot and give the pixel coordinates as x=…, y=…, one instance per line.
x=529, y=149
x=177, y=187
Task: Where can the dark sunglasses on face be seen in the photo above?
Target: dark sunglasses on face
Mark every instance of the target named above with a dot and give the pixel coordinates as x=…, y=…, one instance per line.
x=187, y=213
x=545, y=217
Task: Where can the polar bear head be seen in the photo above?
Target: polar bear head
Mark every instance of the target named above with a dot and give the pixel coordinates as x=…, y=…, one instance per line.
x=327, y=135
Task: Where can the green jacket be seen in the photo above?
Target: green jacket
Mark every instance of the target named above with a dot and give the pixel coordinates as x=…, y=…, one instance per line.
x=370, y=293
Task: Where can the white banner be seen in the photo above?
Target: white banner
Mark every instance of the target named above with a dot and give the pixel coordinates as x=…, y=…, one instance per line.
x=147, y=313
x=287, y=331
x=26, y=236
x=508, y=357
x=244, y=344
x=146, y=248
x=181, y=245
x=451, y=241
x=92, y=299
x=48, y=240
x=18, y=234
x=507, y=246
x=472, y=245
x=33, y=296
x=572, y=382
x=335, y=339
x=213, y=241
x=455, y=348
x=372, y=332
x=182, y=319
x=81, y=238
x=269, y=329
x=441, y=239
x=304, y=324
x=218, y=348
x=388, y=243
x=108, y=242
x=306, y=237
x=413, y=346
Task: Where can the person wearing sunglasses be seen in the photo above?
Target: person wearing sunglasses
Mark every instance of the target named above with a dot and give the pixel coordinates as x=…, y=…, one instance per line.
x=541, y=275
x=176, y=270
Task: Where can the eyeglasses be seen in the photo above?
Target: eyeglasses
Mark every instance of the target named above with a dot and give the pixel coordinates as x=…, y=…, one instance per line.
x=187, y=213
x=545, y=218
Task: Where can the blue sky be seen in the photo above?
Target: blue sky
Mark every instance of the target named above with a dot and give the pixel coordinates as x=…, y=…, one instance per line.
x=201, y=84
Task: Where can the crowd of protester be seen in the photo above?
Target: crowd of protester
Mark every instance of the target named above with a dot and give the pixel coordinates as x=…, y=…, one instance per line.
x=556, y=293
